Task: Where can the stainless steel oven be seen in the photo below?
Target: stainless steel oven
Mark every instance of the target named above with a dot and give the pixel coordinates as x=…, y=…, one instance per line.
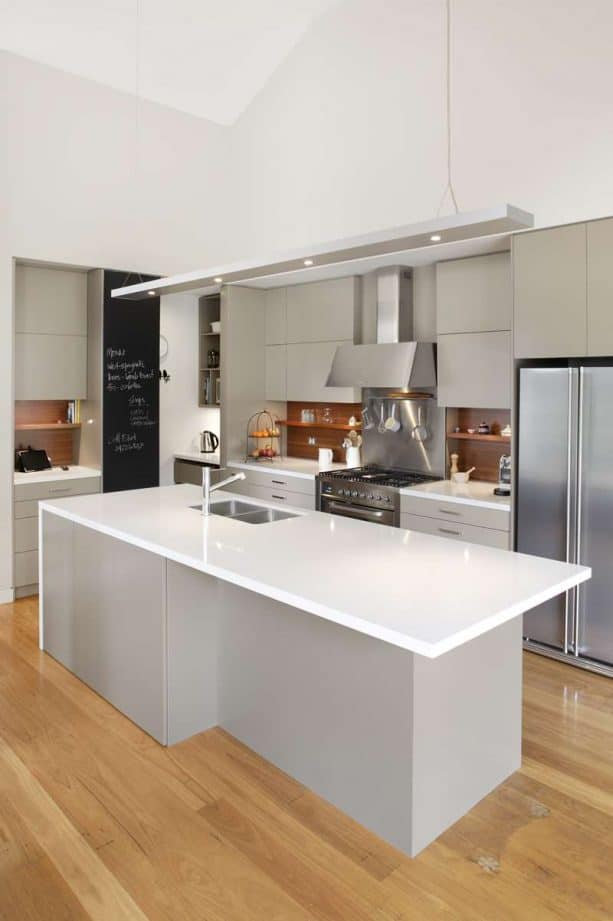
x=351, y=508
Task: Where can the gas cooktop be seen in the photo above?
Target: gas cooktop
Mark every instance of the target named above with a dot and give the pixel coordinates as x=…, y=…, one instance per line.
x=379, y=476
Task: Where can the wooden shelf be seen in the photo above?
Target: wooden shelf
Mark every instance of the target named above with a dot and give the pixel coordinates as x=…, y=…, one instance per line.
x=334, y=426
x=210, y=369
x=210, y=334
x=465, y=436
x=46, y=426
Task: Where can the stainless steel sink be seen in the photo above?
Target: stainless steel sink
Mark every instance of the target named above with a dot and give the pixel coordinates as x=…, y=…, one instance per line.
x=245, y=511
x=263, y=516
x=230, y=507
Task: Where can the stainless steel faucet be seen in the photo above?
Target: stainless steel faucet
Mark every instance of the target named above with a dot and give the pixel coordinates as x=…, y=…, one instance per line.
x=207, y=488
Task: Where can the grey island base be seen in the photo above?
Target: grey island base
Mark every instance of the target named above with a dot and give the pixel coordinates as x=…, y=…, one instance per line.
x=403, y=743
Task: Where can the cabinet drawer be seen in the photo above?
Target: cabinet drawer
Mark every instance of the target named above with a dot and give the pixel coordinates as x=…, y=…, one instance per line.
x=27, y=509
x=466, y=532
x=57, y=489
x=26, y=568
x=277, y=481
x=499, y=519
x=26, y=534
x=281, y=496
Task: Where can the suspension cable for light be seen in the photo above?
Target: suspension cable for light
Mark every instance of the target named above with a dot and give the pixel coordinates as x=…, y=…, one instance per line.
x=449, y=187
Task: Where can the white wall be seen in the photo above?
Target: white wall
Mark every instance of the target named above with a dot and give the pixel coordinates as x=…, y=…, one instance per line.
x=79, y=184
x=348, y=135
x=181, y=419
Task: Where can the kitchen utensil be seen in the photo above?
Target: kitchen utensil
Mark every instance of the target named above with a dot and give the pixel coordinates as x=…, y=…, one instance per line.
x=483, y=429
x=464, y=476
x=367, y=422
x=325, y=458
x=353, y=456
x=454, y=464
x=381, y=426
x=420, y=431
x=209, y=442
x=391, y=423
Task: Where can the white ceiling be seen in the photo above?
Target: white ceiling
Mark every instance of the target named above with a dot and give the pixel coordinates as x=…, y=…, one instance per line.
x=206, y=57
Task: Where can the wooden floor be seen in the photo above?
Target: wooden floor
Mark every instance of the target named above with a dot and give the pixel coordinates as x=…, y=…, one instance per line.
x=98, y=821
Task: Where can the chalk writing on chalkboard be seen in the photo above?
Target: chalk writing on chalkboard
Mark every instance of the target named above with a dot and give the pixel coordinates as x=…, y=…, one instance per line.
x=124, y=375
x=125, y=443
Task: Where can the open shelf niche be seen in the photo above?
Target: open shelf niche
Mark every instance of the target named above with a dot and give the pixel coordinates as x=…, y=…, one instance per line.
x=209, y=375
x=475, y=450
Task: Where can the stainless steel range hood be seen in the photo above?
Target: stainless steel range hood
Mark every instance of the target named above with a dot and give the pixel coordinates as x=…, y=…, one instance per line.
x=395, y=360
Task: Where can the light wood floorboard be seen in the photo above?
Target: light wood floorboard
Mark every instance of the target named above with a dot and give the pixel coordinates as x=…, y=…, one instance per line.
x=97, y=821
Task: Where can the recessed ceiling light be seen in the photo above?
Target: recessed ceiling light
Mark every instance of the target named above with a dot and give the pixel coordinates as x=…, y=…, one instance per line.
x=308, y=262
x=151, y=293
x=218, y=280
x=435, y=237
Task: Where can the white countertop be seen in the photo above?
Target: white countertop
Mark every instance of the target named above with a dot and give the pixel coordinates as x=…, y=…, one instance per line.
x=54, y=473
x=288, y=466
x=423, y=593
x=475, y=492
x=200, y=457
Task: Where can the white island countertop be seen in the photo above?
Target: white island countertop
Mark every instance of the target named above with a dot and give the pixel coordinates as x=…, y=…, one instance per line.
x=417, y=591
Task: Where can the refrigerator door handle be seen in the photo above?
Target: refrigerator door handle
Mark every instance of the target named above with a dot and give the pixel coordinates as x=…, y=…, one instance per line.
x=579, y=508
x=569, y=470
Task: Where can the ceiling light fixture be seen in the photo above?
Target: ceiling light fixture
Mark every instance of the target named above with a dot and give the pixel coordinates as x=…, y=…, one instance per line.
x=151, y=293
x=308, y=262
x=218, y=280
x=435, y=237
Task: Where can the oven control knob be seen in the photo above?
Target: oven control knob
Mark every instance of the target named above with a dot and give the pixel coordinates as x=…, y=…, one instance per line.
x=347, y=492
x=370, y=496
x=388, y=499
x=354, y=493
x=340, y=492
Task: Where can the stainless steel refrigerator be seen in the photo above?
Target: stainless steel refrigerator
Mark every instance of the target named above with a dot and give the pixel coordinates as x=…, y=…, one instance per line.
x=565, y=504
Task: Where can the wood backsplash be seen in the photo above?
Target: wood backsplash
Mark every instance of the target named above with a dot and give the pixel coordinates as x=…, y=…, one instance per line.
x=484, y=455
x=62, y=445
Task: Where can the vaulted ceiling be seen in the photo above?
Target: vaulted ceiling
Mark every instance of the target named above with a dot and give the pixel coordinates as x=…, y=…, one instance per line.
x=206, y=57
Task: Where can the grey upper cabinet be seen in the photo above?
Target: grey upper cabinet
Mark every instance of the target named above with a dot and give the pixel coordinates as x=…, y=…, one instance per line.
x=550, y=292
x=308, y=366
x=474, y=295
x=276, y=372
x=276, y=316
x=474, y=369
x=600, y=288
x=324, y=311
x=50, y=334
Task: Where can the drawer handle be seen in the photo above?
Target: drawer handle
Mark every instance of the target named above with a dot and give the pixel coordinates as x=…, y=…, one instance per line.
x=450, y=531
x=283, y=498
x=446, y=511
x=279, y=482
x=59, y=489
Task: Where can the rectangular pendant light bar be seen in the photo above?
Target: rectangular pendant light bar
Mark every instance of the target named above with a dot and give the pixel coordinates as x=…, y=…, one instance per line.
x=436, y=232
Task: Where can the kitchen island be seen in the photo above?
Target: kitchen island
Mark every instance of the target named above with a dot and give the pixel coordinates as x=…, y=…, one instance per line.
x=379, y=666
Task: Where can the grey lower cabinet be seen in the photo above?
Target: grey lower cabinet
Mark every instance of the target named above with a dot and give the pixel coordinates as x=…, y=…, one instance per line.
x=474, y=369
x=276, y=487
x=308, y=366
x=550, y=292
x=25, y=524
x=457, y=521
x=600, y=288
x=474, y=295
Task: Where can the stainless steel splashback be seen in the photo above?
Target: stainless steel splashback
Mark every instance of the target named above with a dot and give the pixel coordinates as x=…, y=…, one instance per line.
x=400, y=449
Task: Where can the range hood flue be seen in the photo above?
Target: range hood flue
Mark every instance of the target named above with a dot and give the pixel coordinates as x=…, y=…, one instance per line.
x=395, y=361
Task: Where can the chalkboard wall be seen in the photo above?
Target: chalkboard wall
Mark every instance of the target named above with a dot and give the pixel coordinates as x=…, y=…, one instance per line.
x=131, y=394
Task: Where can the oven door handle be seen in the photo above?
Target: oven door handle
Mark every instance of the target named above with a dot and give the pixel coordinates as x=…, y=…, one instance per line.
x=354, y=511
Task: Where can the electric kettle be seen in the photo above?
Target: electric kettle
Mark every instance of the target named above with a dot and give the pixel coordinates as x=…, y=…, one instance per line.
x=209, y=442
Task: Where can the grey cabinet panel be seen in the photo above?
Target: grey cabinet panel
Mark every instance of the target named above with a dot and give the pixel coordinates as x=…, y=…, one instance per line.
x=550, y=301
x=50, y=301
x=474, y=369
x=276, y=331
x=488, y=537
x=308, y=366
x=276, y=372
x=600, y=288
x=474, y=295
x=50, y=367
x=323, y=310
